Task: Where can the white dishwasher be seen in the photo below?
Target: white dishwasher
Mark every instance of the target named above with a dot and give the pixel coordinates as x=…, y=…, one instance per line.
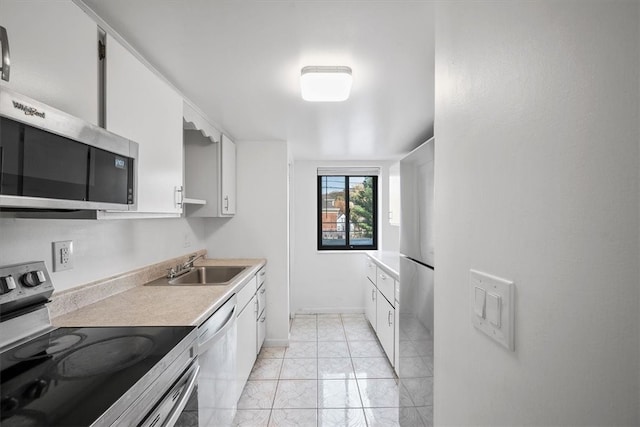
x=217, y=395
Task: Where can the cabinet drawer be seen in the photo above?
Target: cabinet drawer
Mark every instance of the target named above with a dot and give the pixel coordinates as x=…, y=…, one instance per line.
x=371, y=268
x=246, y=293
x=262, y=299
x=386, y=284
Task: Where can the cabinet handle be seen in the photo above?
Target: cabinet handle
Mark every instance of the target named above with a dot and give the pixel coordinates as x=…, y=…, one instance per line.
x=373, y=294
x=226, y=203
x=389, y=318
x=6, y=59
x=263, y=291
x=262, y=273
x=263, y=319
x=383, y=277
x=256, y=305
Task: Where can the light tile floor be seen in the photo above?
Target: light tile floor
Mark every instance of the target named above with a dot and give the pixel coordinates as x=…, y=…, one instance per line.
x=334, y=373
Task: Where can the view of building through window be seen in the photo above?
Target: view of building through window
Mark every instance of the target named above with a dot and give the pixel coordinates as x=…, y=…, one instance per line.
x=347, y=212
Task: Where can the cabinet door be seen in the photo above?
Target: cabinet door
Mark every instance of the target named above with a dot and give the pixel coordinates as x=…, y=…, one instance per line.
x=54, y=54
x=246, y=343
x=228, y=176
x=370, y=296
x=142, y=107
x=262, y=330
x=385, y=326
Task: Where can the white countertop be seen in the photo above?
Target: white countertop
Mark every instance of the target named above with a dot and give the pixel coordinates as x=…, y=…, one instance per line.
x=388, y=261
x=162, y=305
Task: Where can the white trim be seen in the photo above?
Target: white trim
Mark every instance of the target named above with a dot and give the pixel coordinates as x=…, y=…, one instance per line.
x=349, y=171
x=331, y=310
x=275, y=343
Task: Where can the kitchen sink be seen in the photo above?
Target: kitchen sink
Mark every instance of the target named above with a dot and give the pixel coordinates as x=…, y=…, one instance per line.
x=208, y=275
x=203, y=276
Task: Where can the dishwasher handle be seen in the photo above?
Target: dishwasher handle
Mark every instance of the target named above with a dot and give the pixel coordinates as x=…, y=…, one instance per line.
x=207, y=338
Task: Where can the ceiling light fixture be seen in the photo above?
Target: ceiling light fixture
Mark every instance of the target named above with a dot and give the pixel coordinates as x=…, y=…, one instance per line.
x=325, y=84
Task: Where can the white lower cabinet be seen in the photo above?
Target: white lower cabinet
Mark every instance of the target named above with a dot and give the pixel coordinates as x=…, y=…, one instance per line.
x=246, y=342
x=252, y=325
x=261, y=324
x=370, y=294
x=379, y=306
x=385, y=315
x=262, y=330
x=247, y=306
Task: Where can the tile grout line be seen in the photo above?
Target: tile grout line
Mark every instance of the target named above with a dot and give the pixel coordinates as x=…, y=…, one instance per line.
x=355, y=376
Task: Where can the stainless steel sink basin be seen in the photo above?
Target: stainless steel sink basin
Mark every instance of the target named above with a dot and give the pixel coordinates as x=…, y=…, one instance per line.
x=216, y=275
x=203, y=276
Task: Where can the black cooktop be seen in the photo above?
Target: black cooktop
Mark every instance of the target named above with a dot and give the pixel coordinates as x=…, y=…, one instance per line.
x=71, y=376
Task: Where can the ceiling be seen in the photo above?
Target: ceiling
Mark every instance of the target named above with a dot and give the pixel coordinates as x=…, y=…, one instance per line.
x=240, y=61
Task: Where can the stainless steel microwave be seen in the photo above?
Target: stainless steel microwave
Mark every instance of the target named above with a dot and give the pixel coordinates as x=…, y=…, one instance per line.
x=51, y=160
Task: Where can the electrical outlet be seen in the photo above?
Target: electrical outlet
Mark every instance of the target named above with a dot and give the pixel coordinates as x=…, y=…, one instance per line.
x=187, y=240
x=63, y=255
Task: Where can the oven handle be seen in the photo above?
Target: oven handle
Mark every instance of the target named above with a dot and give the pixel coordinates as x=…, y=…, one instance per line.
x=184, y=397
x=229, y=322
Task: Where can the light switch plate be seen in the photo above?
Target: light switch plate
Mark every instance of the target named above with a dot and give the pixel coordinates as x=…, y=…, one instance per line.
x=503, y=332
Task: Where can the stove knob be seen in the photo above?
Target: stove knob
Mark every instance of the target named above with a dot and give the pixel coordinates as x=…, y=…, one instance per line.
x=7, y=284
x=36, y=390
x=33, y=278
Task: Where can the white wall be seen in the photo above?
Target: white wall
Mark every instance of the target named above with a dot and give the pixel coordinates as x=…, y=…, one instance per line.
x=259, y=228
x=328, y=281
x=101, y=248
x=537, y=181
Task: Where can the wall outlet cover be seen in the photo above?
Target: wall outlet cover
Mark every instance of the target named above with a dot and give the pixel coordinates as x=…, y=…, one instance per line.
x=501, y=293
x=62, y=255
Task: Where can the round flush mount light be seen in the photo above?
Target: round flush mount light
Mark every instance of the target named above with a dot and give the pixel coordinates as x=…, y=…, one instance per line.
x=325, y=84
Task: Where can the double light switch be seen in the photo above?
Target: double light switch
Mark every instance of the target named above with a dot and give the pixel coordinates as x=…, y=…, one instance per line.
x=492, y=307
x=488, y=305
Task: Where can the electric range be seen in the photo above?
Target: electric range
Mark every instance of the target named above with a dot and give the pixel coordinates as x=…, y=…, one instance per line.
x=86, y=376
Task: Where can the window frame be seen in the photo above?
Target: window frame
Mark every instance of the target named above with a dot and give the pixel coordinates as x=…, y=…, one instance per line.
x=319, y=211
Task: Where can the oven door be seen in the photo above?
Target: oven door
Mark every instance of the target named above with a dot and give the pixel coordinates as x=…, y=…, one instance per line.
x=171, y=409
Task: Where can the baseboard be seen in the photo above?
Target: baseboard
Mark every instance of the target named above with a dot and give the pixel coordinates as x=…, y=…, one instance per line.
x=276, y=343
x=331, y=310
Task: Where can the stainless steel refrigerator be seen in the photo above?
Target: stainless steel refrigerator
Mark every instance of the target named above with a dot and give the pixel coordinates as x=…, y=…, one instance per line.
x=415, y=320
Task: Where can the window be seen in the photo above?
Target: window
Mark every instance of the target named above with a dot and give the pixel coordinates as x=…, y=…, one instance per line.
x=347, y=209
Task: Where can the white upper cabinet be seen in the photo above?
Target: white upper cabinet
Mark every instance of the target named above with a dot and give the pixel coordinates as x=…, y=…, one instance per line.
x=142, y=107
x=228, y=181
x=54, y=55
x=210, y=173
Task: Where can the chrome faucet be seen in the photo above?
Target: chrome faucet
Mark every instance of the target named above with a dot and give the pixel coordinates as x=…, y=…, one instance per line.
x=192, y=259
x=181, y=269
